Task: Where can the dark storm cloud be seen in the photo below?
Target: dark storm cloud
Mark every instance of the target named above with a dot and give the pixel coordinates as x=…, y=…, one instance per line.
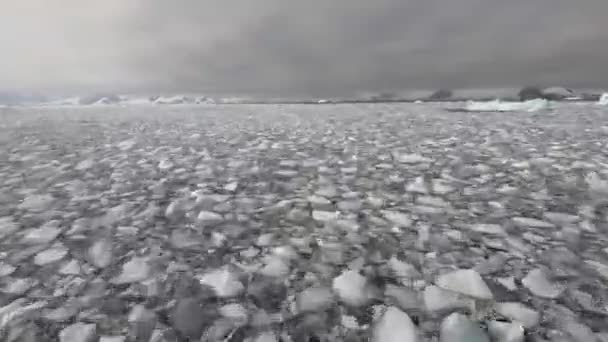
x=341, y=47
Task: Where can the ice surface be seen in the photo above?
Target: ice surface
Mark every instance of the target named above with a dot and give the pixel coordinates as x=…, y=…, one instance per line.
x=499, y=106
x=111, y=208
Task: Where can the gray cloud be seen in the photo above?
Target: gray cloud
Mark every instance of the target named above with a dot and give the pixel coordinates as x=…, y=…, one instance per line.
x=315, y=47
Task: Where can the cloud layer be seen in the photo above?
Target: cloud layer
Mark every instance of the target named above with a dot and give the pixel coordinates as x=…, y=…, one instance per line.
x=301, y=48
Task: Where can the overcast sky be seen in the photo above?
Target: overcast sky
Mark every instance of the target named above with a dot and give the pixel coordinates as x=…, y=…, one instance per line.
x=300, y=48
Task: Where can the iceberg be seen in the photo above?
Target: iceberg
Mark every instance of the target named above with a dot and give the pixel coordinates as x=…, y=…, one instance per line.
x=172, y=100
x=603, y=100
x=499, y=106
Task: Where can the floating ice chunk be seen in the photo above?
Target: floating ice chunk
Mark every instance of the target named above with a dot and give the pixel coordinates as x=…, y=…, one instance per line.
x=432, y=201
x=398, y=218
x=133, y=271
x=275, y=267
x=234, y=311
x=599, y=267
x=458, y=328
x=50, y=255
x=323, y=216
x=314, y=299
x=352, y=288
x=44, y=234
x=466, y=281
x=78, y=332
x=402, y=269
x=438, y=299
x=531, y=222
x=224, y=282
x=508, y=283
x=406, y=158
x=490, y=229
x=318, y=200
x=395, y=326
x=518, y=312
x=100, y=253
x=209, y=217
x=417, y=186
x=505, y=332
x=603, y=101
x=499, y=106
x=537, y=282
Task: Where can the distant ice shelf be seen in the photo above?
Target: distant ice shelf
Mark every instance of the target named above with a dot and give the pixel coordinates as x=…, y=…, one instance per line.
x=499, y=106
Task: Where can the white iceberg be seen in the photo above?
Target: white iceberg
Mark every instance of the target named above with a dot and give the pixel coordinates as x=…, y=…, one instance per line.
x=172, y=100
x=603, y=100
x=499, y=106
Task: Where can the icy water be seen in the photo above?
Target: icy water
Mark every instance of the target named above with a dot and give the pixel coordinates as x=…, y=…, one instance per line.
x=303, y=223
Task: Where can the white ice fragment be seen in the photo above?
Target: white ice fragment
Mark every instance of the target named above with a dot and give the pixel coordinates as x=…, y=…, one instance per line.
x=50, y=255
x=218, y=239
x=100, y=253
x=224, y=283
x=537, y=282
x=314, y=299
x=126, y=144
x=401, y=219
x=432, y=201
x=505, y=332
x=235, y=311
x=402, y=269
x=286, y=252
x=79, y=332
x=165, y=164
x=458, y=328
x=352, y=288
x=318, y=200
x=465, y=281
x=440, y=187
x=7, y=226
x=508, y=283
x=85, y=164
x=603, y=101
x=518, y=312
x=267, y=336
x=350, y=322
x=71, y=268
x=531, y=222
x=231, y=187
x=395, y=326
x=490, y=229
x=209, y=217
x=275, y=267
x=561, y=218
x=438, y=299
x=599, y=267
x=417, y=186
x=44, y=234
x=410, y=158
x=37, y=203
x=324, y=216
x=133, y=271
x=264, y=240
